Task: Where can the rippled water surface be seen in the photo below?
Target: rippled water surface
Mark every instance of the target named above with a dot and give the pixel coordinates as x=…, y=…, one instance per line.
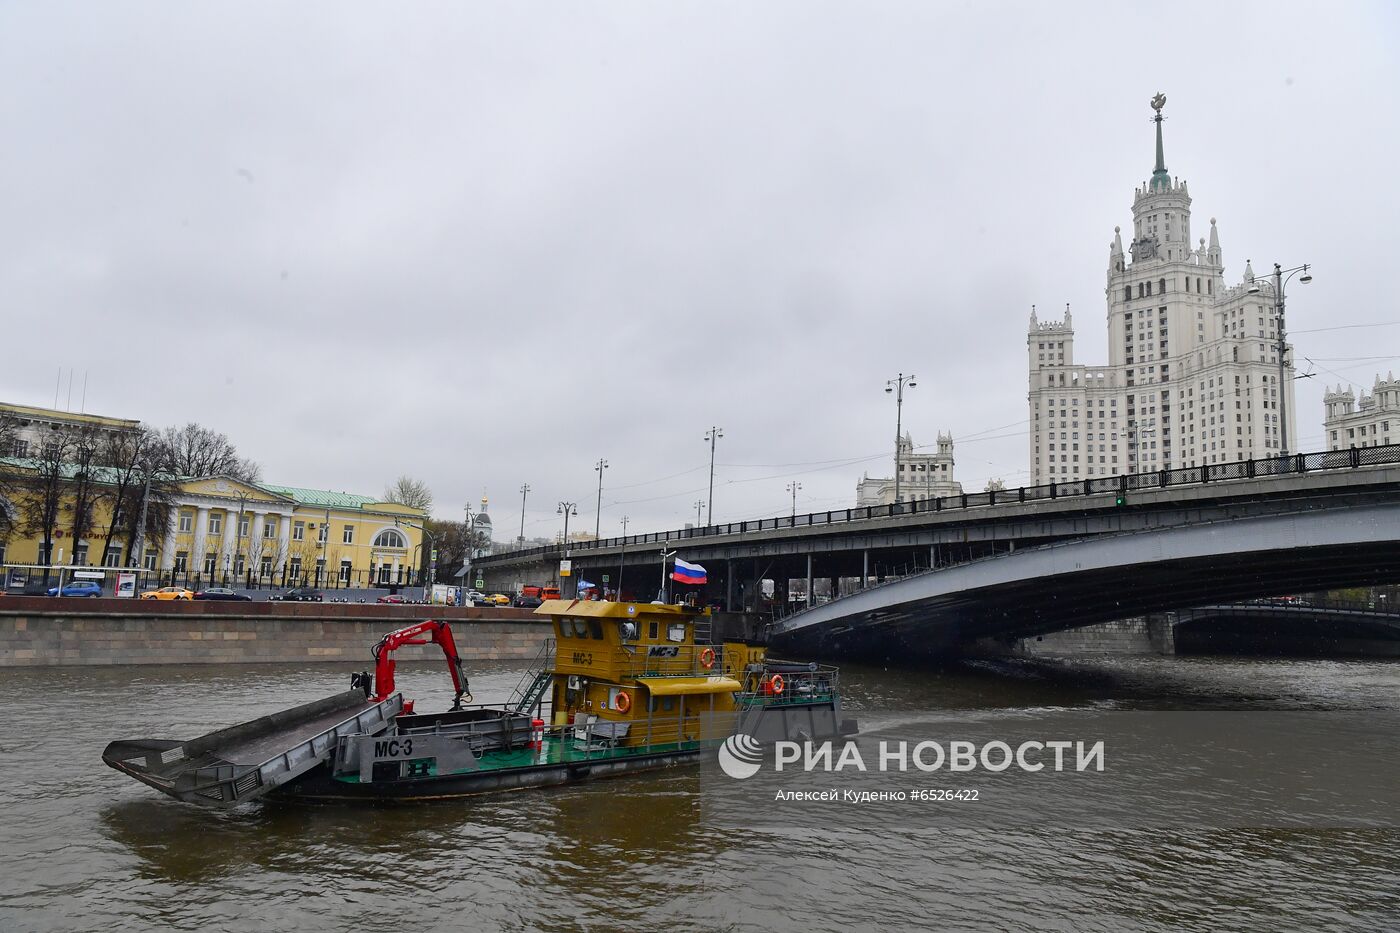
x=84, y=848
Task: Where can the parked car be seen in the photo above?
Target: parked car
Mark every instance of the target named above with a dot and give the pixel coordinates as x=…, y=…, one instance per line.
x=499, y=599
x=393, y=598
x=302, y=594
x=481, y=599
x=223, y=593
x=78, y=588
x=168, y=592
x=527, y=602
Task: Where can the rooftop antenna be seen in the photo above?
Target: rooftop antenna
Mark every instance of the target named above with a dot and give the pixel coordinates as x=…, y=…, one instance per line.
x=68, y=405
x=58, y=380
x=83, y=406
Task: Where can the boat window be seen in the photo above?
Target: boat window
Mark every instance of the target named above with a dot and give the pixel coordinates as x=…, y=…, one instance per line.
x=564, y=629
x=580, y=628
x=596, y=628
x=675, y=632
x=652, y=629
x=668, y=703
x=627, y=630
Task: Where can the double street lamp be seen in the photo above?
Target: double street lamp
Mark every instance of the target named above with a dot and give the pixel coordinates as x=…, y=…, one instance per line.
x=566, y=509
x=896, y=386
x=1135, y=440
x=1281, y=277
x=793, y=487
x=600, y=466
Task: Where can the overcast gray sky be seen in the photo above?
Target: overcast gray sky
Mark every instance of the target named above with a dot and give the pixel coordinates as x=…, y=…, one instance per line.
x=488, y=244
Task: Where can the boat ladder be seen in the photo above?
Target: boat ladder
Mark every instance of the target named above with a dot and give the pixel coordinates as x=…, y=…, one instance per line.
x=532, y=697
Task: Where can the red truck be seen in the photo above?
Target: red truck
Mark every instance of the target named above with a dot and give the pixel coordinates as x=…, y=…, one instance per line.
x=531, y=591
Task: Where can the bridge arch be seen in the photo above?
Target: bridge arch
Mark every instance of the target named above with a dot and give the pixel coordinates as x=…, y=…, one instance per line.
x=1036, y=590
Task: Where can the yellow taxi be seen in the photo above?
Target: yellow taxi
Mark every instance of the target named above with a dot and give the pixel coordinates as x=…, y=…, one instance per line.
x=169, y=592
x=500, y=599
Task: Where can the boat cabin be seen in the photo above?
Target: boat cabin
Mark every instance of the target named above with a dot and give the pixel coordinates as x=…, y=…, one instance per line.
x=640, y=674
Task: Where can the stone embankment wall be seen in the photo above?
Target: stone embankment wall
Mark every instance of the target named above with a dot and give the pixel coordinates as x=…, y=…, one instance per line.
x=1142, y=635
x=38, y=631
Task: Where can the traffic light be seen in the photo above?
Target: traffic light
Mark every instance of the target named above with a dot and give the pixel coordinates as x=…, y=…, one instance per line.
x=1121, y=498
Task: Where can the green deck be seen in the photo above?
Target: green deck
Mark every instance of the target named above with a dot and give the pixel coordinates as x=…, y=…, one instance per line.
x=556, y=751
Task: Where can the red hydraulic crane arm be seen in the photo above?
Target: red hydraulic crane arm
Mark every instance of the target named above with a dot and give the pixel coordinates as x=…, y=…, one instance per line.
x=420, y=634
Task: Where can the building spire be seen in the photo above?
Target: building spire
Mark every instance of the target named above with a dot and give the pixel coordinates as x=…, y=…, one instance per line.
x=1161, y=181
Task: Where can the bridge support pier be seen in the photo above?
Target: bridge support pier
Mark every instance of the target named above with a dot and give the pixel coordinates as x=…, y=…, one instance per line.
x=729, y=585
x=809, y=581
x=1161, y=632
x=865, y=568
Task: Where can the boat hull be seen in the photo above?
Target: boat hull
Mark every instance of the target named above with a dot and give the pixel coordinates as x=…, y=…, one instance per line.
x=320, y=785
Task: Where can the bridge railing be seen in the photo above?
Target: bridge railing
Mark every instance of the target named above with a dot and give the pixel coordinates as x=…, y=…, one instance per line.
x=1349, y=459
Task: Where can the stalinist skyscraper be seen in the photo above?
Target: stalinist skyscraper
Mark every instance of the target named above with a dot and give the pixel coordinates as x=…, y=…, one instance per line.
x=1192, y=373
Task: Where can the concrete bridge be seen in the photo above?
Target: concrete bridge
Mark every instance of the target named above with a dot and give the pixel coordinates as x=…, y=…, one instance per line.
x=1097, y=579
x=1236, y=508
x=1288, y=628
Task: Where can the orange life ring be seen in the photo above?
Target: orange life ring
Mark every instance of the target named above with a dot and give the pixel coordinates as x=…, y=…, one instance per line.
x=707, y=658
x=776, y=684
x=623, y=702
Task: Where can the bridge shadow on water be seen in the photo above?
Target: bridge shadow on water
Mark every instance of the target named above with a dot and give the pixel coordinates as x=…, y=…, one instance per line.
x=1121, y=682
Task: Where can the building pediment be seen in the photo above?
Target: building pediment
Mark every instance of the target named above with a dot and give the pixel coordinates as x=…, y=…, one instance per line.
x=234, y=490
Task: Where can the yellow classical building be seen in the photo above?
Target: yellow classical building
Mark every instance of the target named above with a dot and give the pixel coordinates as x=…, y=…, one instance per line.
x=34, y=426
x=223, y=529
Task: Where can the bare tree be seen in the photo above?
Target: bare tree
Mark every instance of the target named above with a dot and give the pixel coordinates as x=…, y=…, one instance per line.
x=42, y=488
x=454, y=542
x=306, y=551
x=411, y=492
x=9, y=476
x=85, y=483
x=133, y=459
x=257, y=549
x=195, y=450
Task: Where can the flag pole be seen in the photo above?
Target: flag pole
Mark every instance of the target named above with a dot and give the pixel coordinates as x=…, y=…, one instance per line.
x=665, y=588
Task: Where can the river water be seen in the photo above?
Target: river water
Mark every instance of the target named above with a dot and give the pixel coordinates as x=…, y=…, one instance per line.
x=84, y=848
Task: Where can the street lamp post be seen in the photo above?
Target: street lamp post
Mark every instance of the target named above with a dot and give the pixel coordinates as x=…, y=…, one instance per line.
x=428, y=536
x=324, y=570
x=1281, y=277
x=469, y=552
x=524, y=491
x=896, y=385
x=138, y=540
x=566, y=509
x=699, y=504
x=1136, y=439
x=711, y=436
x=600, y=466
x=792, y=488
x=622, y=558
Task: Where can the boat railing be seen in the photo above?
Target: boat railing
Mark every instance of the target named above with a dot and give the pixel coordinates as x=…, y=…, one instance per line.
x=674, y=660
x=788, y=682
x=663, y=729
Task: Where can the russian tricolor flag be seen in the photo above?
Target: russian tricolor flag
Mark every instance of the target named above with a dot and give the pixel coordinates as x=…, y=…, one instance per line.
x=688, y=573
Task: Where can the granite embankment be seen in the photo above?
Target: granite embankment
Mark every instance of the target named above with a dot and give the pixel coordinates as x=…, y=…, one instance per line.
x=39, y=631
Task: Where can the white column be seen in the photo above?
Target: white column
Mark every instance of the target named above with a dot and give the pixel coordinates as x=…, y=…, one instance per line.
x=257, y=543
x=284, y=541
x=167, y=543
x=230, y=548
x=201, y=527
